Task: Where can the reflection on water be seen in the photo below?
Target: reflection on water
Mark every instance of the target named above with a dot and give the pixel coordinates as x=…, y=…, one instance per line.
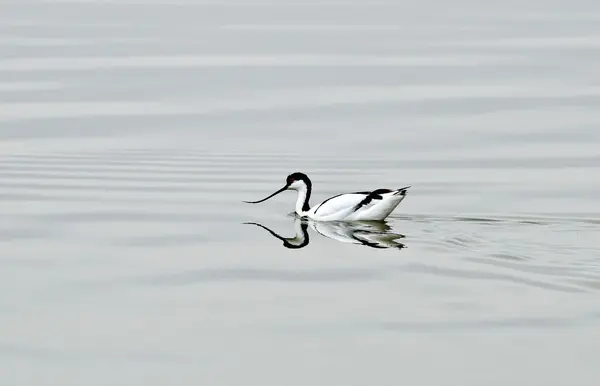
x=374, y=234
x=300, y=239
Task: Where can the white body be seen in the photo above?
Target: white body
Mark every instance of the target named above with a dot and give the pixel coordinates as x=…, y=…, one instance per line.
x=343, y=207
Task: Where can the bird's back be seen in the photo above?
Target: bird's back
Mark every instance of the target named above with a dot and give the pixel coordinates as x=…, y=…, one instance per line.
x=375, y=205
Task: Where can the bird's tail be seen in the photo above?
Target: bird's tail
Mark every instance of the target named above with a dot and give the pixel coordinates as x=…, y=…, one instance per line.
x=402, y=191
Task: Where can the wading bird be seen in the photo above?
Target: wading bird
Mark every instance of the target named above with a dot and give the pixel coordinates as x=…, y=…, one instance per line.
x=357, y=206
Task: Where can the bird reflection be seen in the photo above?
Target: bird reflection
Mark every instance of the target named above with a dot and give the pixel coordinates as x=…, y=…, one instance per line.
x=374, y=234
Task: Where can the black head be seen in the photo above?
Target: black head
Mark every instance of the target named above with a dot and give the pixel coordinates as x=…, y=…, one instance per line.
x=297, y=176
x=292, y=183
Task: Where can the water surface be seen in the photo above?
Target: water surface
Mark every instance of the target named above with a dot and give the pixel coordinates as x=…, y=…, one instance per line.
x=130, y=132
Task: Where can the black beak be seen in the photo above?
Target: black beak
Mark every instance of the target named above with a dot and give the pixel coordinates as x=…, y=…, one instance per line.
x=266, y=198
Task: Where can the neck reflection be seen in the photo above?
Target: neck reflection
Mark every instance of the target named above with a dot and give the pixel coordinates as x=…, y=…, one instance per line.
x=300, y=240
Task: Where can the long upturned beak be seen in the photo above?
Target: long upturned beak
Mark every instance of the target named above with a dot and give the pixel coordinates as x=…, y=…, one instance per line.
x=266, y=198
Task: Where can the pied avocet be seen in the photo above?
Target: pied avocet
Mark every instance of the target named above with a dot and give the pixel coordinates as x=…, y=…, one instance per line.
x=357, y=206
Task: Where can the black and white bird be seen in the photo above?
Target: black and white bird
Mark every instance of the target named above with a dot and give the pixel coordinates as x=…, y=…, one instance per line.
x=357, y=206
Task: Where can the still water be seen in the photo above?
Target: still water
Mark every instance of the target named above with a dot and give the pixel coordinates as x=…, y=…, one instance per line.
x=131, y=131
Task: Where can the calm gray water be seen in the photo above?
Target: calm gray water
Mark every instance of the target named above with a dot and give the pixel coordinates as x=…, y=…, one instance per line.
x=130, y=132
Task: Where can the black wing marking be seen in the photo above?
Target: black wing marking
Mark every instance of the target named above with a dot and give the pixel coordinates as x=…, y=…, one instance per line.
x=374, y=195
x=377, y=192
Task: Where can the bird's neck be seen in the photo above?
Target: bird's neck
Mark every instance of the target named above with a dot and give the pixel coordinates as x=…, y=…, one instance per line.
x=302, y=205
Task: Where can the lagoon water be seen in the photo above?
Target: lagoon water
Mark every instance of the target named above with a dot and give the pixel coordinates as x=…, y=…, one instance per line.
x=130, y=132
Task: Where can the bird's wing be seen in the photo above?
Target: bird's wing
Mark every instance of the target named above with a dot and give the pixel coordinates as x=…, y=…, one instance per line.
x=342, y=202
